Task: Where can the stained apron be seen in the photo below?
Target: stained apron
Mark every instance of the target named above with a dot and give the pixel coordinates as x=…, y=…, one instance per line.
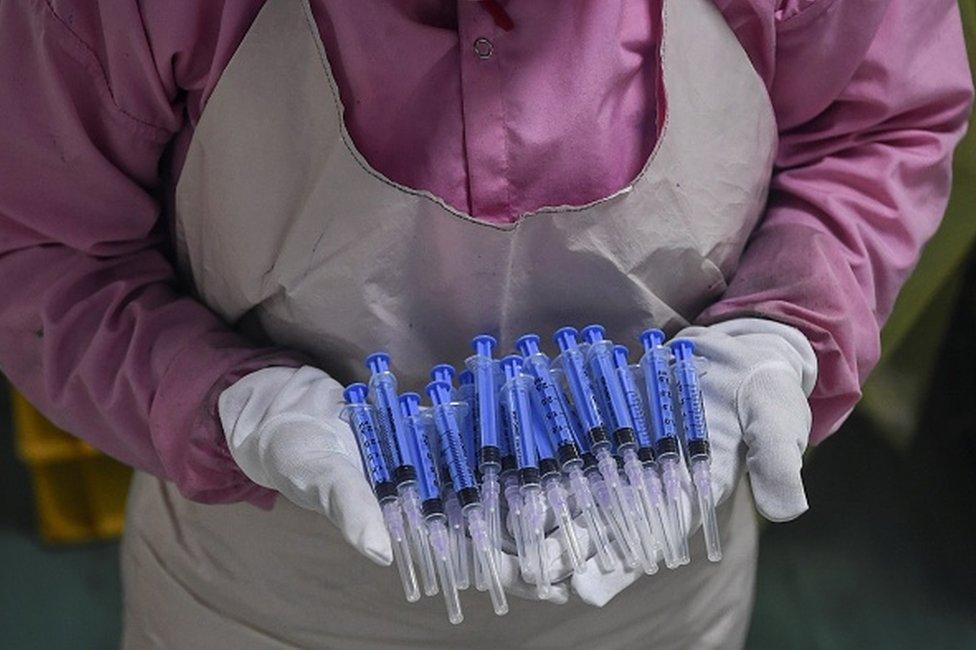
x=283, y=226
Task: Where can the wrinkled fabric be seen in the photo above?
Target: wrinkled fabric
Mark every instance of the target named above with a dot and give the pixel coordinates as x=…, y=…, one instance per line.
x=98, y=331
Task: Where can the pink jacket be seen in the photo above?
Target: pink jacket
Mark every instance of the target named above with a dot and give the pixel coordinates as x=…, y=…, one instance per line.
x=98, y=102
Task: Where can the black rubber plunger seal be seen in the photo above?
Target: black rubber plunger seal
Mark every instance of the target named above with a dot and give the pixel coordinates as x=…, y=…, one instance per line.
x=597, y=436
x=548, y=466
x=489, y=456
x=646, y=455
x=624, y=437
x=432, y=507
x=697, y=448
x=589, y=460
x=467, y=496
x=667, y=446
x=567, y=452
x=384, y=490
x=508, y=463
x=529, y=476
x=404, y=473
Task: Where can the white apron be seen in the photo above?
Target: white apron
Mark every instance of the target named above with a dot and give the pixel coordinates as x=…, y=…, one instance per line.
x=283, y=226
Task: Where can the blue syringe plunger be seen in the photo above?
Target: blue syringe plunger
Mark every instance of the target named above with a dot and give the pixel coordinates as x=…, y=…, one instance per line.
x=364, y=428
x=426, y=465
x=593, y=333
x=512, y=365
x=378, y=362
x=449, y=433
x=683, y=349
x=567, y=338
x=528, y=344
x=484, y=344
x=442, y=372
x=355, y=393
x=652, y=338
x=466, y=378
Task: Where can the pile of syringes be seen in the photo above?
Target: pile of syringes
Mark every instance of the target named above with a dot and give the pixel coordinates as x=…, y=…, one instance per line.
x=585, y=436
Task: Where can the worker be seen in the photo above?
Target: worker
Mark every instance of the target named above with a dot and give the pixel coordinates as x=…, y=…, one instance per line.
x=210, y=212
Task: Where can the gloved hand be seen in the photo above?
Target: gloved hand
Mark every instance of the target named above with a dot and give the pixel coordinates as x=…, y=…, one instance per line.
x=283, y=429
x=757, y=379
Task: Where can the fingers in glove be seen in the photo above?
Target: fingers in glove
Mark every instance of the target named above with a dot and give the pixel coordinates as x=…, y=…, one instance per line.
x=515, y=584
x=349, y=503
x=597, y=588
x=775, y=419
x=560, y=565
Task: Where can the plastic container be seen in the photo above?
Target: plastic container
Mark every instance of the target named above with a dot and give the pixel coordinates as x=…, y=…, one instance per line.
x=79, y=493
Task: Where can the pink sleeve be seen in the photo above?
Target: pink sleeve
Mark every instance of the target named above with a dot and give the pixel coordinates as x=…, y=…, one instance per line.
x=95, y=327
x=871, y=100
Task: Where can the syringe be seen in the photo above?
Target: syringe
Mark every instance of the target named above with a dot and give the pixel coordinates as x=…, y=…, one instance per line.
x=646, y=479
x=696, y=440
x=403, y=450
x=482, y=366
x=359, y=414
x=433, y=507
x=656, y=367
x=605, y=377
x=509, y=477
x=516, y=398
x=556, y=419
x=552, y=487
x=445, y=373
x=449, y=433
x=597, y=442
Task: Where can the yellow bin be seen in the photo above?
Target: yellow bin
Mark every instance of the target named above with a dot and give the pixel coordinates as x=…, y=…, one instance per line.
x=79, y=493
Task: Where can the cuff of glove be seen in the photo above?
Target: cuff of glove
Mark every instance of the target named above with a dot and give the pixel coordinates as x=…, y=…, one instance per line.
x=187, y=431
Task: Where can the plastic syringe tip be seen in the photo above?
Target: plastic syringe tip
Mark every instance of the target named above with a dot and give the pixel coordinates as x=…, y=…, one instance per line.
x=620, y=356
x=378, y=362
x=442, y=372
x=410, y=404
x=593, y=333
x=566, y=338
x=528, y=344
x=439, y=392
x=484, y=344
x=466, y=378
x=651, y=338
x=355, y=393
x=512, y=365
x=683, y=349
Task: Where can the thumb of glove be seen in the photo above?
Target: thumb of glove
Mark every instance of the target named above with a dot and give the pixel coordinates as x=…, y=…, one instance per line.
x=775, y=419
x=349, y=503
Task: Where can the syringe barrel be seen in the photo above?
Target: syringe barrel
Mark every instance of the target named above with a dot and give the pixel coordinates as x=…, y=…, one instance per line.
x=383, y=384
x=518, y=406
x=360, y=416
x=690, y=398
x=546, y=453
x=605, y=376
x=634, y=404
x=656, y=366
x=449, y=437
x=481, y=364
x=549, y=396
x=427, y=478
x=584, y=397
x=466, y=394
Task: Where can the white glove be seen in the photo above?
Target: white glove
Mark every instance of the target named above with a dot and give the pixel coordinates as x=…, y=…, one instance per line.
x=758, y=376
x=283, y=430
